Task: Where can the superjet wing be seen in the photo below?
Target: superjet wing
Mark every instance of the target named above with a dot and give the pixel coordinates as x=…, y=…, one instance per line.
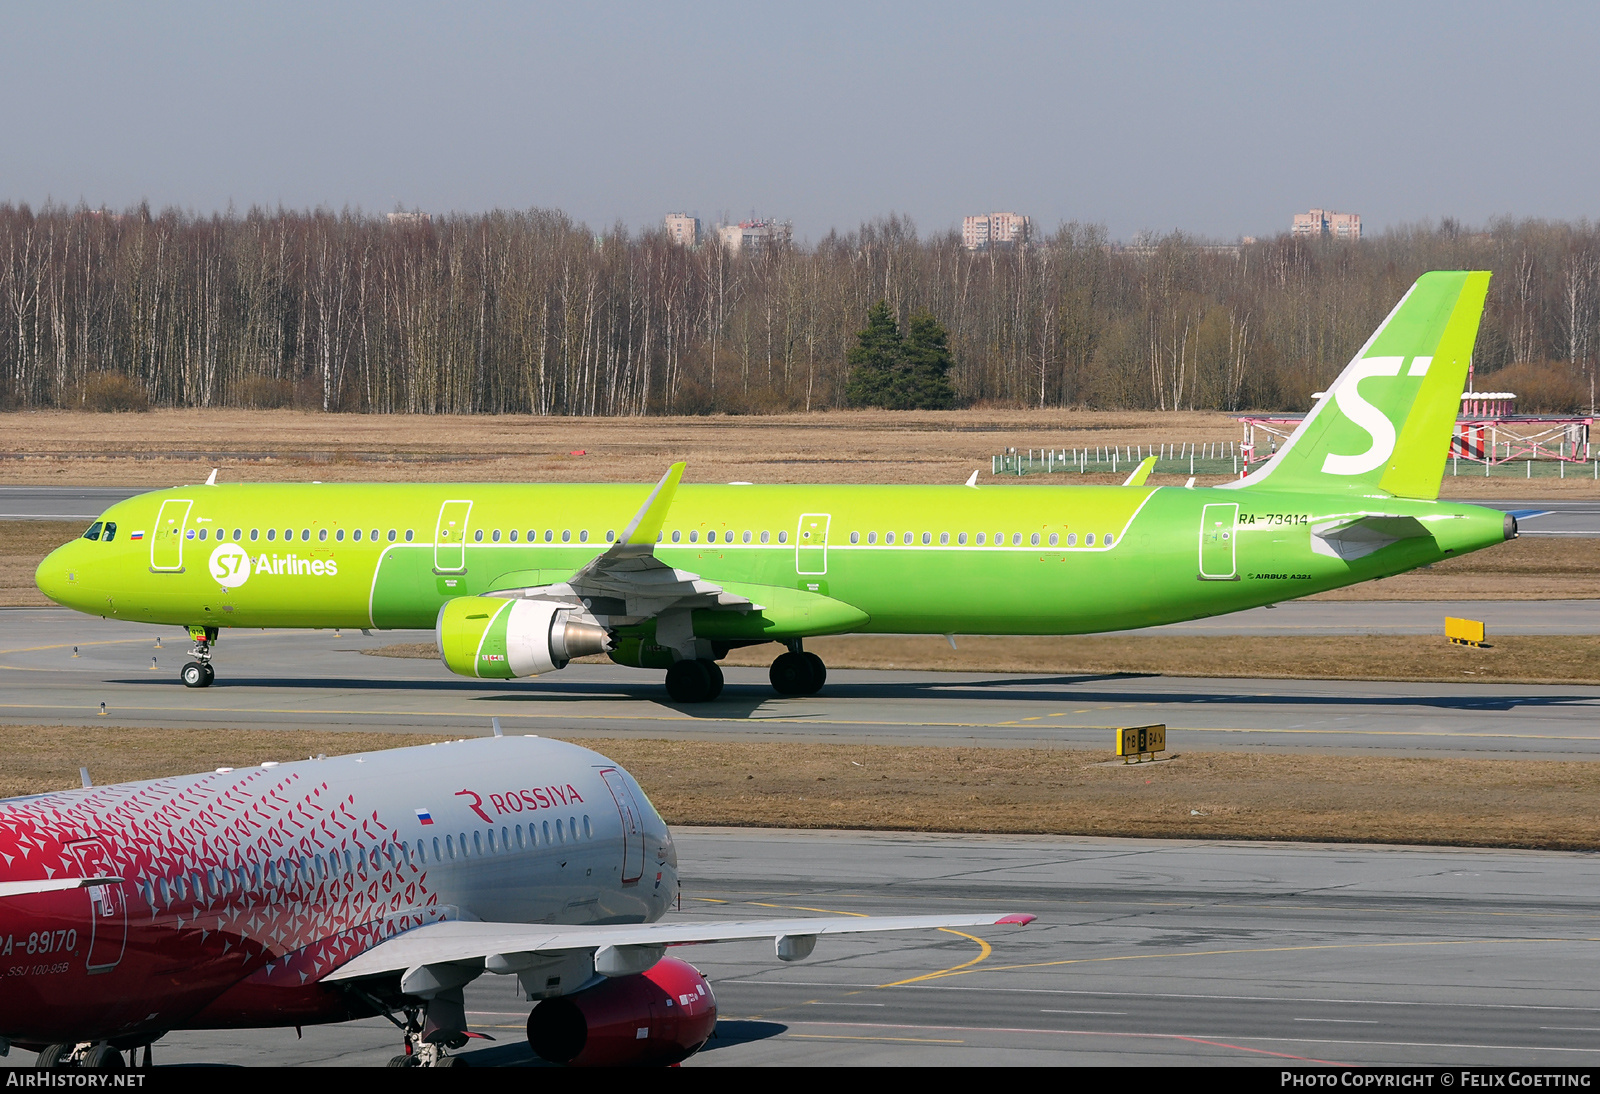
x=505, y=947
x=628, y=571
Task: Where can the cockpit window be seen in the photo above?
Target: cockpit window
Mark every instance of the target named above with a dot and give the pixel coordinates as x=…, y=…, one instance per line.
x=110, y=533
x=94, y=531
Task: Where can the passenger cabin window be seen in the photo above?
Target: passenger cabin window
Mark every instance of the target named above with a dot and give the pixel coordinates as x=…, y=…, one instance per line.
x=1072, y=539
x=408, y=535
x=676, y=535
x=1034, y=540
x=979, y=539
x=1110, y=539
x=356, y=535
x=94, y=531
x=944, y=539
x=765, y=537
x=238, y=533
x=610, y=535
x=1054, y=539
x=272, y=534
x=255, y=534
x=783, y=537
x=477, y=536
x=1088, y=540
x=322, y=535
x=549, y=534
x=872, y=537
x=203, y=533
x=513, y=535
x=338, y=537
x=962, y=538
x=855, y=537
x=496, y=536
x=391, y=535
x=566, y=535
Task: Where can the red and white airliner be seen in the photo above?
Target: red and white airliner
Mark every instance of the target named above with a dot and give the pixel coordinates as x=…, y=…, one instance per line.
x=375, y=884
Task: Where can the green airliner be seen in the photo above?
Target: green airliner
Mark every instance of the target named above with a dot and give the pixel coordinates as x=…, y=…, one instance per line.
x=517, y=580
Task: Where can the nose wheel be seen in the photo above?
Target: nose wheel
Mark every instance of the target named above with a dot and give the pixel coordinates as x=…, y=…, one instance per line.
x=199, y=673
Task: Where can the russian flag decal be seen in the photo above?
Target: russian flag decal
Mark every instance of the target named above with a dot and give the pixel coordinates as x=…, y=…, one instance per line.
x=424, y=816
x=136, y=535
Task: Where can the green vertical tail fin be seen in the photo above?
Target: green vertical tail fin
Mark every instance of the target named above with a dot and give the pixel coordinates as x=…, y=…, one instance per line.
x=1384, y=425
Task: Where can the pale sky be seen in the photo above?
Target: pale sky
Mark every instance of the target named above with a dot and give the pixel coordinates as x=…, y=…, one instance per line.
x=1218, y=119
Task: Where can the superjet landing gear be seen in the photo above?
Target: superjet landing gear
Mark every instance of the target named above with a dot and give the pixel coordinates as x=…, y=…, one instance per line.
x=694, y=681
x=86, y=1056
x=199, y=673
x=430, y=1029
x=797, y=672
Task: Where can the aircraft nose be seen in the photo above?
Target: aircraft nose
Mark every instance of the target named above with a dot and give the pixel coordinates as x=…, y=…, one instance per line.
x=57, y=576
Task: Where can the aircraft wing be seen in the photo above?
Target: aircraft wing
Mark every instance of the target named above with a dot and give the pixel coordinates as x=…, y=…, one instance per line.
x=506, y=947
x=627, y=583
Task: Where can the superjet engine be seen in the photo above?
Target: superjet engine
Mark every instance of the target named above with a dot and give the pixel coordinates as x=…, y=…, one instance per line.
x=501, y=638
x=650, y=1019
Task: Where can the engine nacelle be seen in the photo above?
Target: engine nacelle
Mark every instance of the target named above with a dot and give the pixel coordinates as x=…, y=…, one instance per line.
x=501, y=638
x=652, y=1019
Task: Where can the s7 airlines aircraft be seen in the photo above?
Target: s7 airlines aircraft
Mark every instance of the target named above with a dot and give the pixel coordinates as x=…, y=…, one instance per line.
x=519, y=579
x=376, y=884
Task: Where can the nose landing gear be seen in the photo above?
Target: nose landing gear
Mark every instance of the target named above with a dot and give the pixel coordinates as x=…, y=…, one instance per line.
x=199, y=673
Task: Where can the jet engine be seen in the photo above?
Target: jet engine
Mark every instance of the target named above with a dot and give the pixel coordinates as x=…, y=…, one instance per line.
x=502, y=638
x=651, y=1019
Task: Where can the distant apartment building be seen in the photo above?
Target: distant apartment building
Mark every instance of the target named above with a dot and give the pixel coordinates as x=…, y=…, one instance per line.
x=754, y=235
x=1326, y=223
x=995, y=230
x=682, y=229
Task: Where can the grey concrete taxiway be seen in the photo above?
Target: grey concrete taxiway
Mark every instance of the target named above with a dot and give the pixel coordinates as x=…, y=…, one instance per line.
x=57, y=667
x=1144, y=952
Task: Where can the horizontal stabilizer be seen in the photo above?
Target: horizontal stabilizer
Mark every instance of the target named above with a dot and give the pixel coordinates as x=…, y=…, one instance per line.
x=1353, y=539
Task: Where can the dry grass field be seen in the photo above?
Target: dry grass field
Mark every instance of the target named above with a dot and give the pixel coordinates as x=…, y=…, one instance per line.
x=173, y=447
x=1228, y=795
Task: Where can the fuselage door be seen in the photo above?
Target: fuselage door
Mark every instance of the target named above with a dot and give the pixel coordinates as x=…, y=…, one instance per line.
x=811, y=544
x=632, y=824
x=166, y=544
x=108, y=909
x=450, y=538
x=1219, y=536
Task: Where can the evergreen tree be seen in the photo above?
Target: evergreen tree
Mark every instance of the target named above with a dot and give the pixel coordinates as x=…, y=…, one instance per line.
x=925, y=381
x=875, y=359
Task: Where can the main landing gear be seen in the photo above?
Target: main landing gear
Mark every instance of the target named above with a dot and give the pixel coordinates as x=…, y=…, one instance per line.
x=793, y=673
x=199, y=673
x=90, y=1056
x=797, y=672
x=694, y=681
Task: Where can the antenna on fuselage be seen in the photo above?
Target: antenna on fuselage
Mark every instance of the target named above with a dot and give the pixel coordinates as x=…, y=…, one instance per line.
x=211, y=479
x=496, y=723
x=83, y=773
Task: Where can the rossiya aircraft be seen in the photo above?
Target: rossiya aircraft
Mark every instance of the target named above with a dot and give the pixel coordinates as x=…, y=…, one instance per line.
x=519, y=579
x=374, y=884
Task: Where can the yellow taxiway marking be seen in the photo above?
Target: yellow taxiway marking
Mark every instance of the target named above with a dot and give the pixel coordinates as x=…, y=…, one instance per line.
x=984, y=950
x=1265, y=949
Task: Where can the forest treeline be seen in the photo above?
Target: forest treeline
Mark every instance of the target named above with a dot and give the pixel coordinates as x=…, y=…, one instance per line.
x=533, y=312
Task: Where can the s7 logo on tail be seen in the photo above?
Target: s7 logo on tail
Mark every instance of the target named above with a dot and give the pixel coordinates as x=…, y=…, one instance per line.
x=1366, y=416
